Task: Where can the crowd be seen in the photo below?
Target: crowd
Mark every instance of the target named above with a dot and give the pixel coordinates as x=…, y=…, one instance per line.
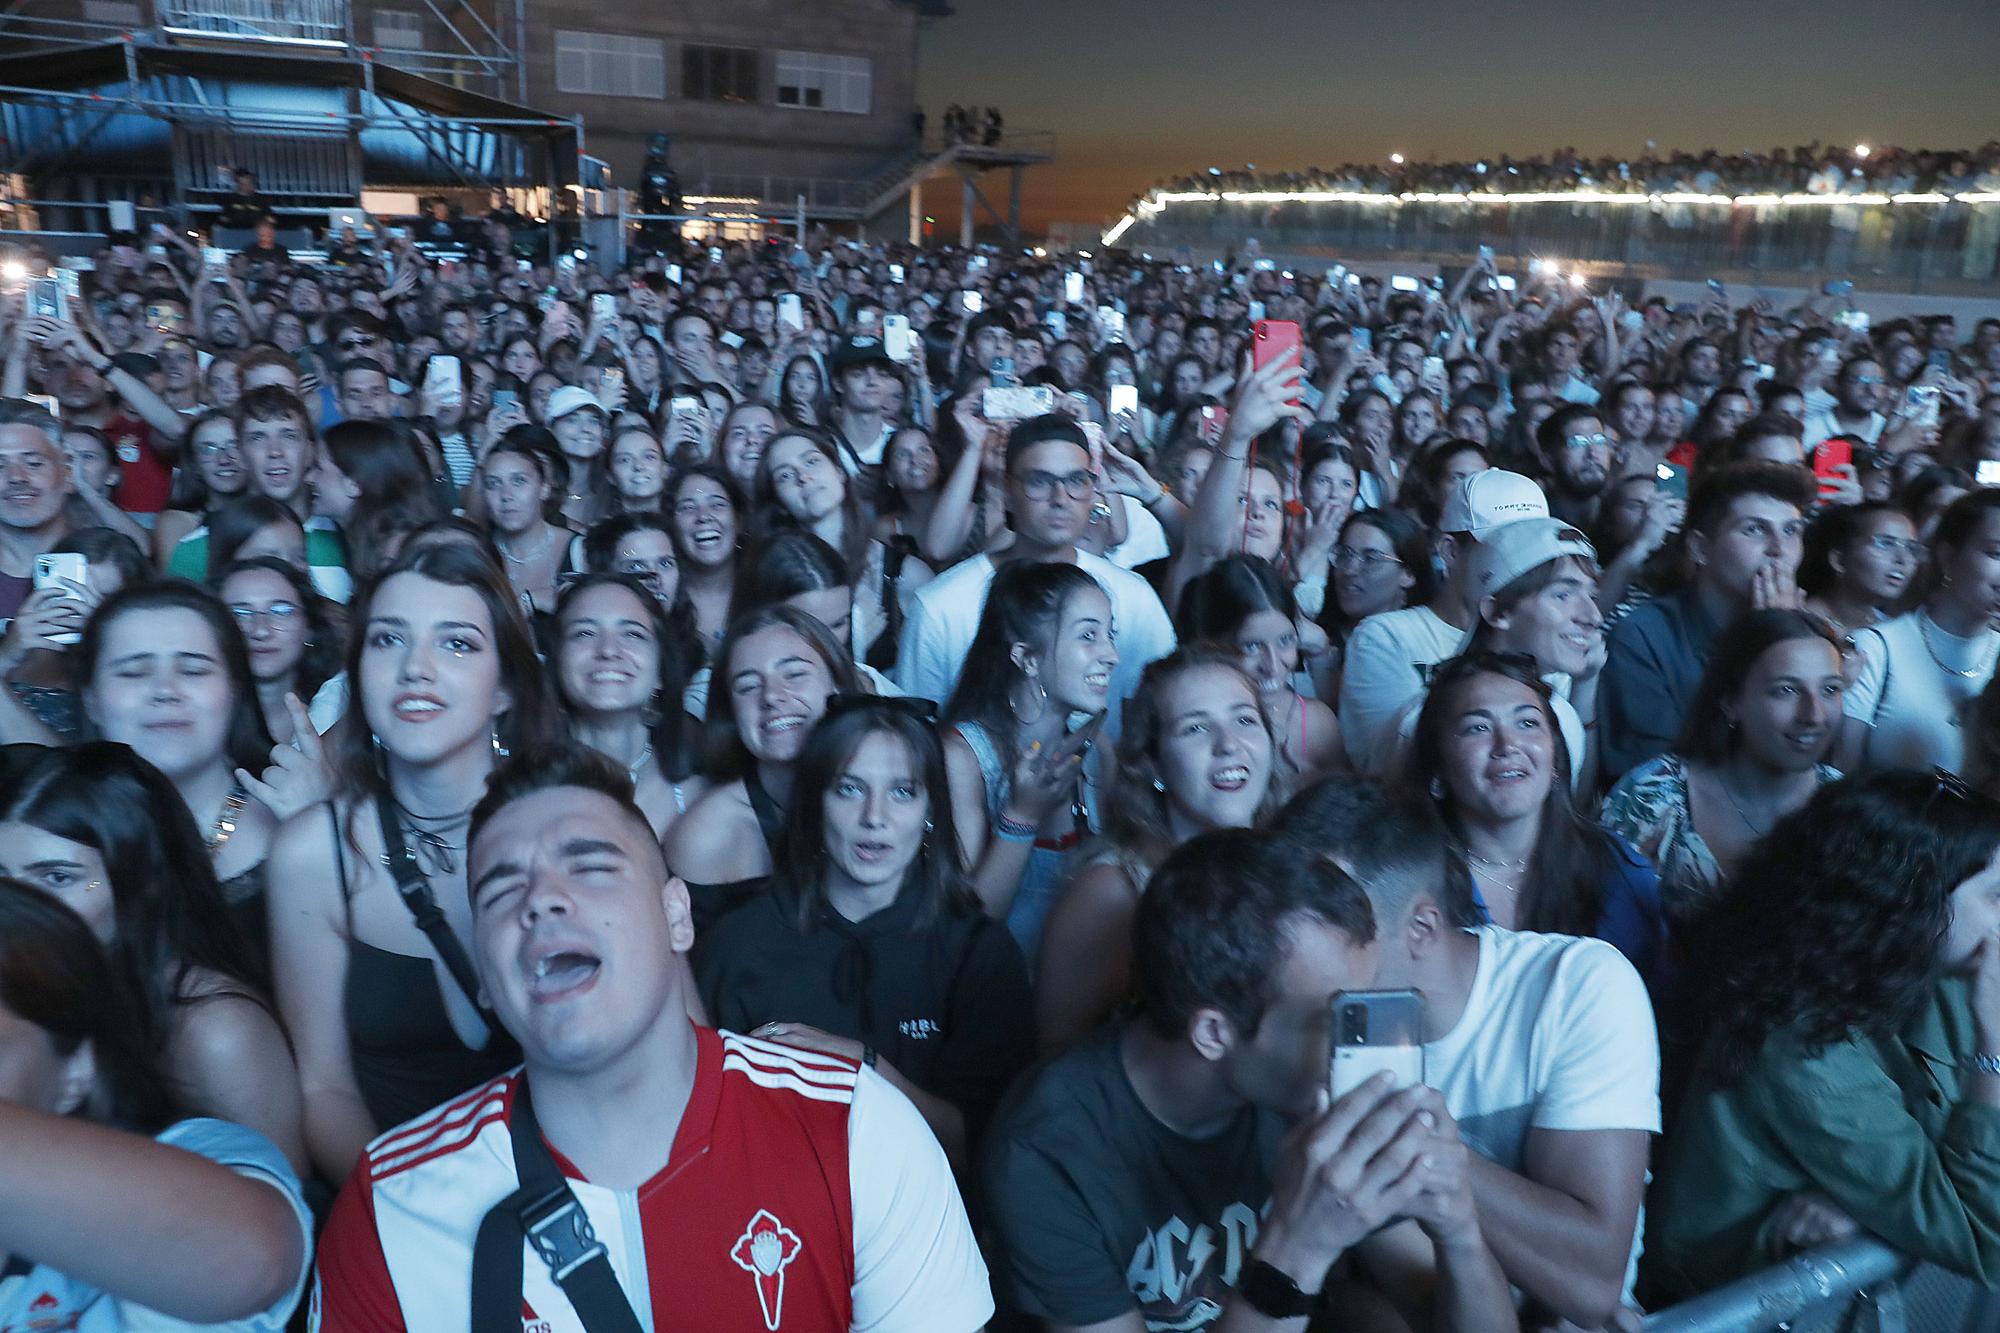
x=832, y=787
x=1813, y=168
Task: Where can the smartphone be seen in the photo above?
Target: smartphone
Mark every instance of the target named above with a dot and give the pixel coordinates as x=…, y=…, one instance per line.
x=715, y=254
x=896, y=337
x=1015, y=403
x=1112, y=320
x=1673, y=480
x=604, y=307
x=973, y=301
x=1124, y=399
x=1939, y=360
x=1432, y=375
x=1057, y=323
x=730, y=338
x=1988, y=472
x=1402, y=282
x=1838, y=287
x=1000, y=372
x=1376, y=1031
x=1364, y=340
x=895, y=273
x=791, y=312
x=674, y=274
x=59, y=571
x=1256, y=312
x=506, y=398
x=548, y=301
x=524, y=266
x=215, y=259
x=1831, y=454
x=1856, y=321
x=611, y=387
x=1506, y=283
x=45, y=299
x=1214, y=421
x=566, y=264
x=1264, y=265
x=1921, y=405
x=442, y=384
x=975, y=263
x=1270, y=340
x=1486, y=256
x=1073, y=288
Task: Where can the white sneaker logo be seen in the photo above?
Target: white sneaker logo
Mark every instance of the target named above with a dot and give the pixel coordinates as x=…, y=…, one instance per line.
x=763, y=1250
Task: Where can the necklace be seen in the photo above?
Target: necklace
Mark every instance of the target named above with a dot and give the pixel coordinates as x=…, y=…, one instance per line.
x=1504, y=873
x=1924, y=619
x=225, y=821
x=633, y=769
x=540, y=551
x=1737, y=805
x=431, y=847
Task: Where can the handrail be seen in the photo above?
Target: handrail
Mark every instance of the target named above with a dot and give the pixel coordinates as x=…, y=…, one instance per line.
x=1806, y=1282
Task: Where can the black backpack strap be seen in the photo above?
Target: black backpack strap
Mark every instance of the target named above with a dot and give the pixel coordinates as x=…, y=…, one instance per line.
x=417, y=896
x=545, y=1213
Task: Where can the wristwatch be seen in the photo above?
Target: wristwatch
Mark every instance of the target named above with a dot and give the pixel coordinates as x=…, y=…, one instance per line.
x=1272, y=1294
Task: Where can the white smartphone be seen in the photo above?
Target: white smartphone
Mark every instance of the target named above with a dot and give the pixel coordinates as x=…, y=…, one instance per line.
x=59, y=571
x=791, y=312
x=1112, y=320
x=1373, y=1031
x=1124, y=399
x=1988, y=473
x=730, y=339
x=1403, y=283
x=442, y=384
x=973, y=301
x=674, y=274
x=896, y=337
x=1073, y=288
x=895, y=272
x=604, y=307
x=1056, y=322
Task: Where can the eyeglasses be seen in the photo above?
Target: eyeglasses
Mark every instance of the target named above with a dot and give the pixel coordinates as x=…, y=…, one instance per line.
x=1888, y=545
x=355, y=344
x=1368, y=560
x=923, y=710
x=1578, y=443
x=217, y=448
x=279, y=612
x=1042, y=485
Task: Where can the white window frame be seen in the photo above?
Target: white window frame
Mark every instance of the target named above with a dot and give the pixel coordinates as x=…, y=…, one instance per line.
x=610, y=64
x=843, y=83
x=399, y=22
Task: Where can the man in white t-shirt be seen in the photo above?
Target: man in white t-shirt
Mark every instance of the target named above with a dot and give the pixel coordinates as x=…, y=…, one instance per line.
x=1856, y=409
x=1543, y=1046
x=1049, y=493
x=1390, y=655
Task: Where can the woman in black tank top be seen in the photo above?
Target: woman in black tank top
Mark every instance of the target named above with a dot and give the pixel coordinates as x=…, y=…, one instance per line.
x=369, y=900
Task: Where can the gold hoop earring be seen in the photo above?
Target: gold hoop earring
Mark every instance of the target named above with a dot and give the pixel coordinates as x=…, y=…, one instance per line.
x=1041, y=709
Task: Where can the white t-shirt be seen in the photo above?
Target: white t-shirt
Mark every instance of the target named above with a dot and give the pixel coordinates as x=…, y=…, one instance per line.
x=944, y=615
x=1914, y=707
x=1389, y=657
x=1145, y=540
x=1556, y=1034
x=43, y=1298
x=1821, y=426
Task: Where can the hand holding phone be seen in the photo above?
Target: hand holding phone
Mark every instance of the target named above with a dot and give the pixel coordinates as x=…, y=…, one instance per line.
x=67, y=574
x=1376, y=1032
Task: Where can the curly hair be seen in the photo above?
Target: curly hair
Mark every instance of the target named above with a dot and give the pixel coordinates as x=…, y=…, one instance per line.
x=1834, y=924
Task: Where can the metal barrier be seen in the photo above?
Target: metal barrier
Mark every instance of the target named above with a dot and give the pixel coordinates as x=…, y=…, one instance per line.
x=1914, y=243
x=1854, y=1286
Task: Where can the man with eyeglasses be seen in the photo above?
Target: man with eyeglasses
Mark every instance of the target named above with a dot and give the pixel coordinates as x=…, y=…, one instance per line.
x=1576, y=463
x=1050, y=491
x=1856, y=410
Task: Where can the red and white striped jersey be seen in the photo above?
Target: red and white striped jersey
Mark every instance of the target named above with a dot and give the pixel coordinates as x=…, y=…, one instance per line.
x=804, y=1194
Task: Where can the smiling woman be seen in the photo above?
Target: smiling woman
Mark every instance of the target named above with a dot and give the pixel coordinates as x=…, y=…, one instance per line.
x=371, y=975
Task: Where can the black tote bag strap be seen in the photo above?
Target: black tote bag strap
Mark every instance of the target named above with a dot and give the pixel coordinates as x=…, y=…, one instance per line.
x=424, y=910
x=545, y=1213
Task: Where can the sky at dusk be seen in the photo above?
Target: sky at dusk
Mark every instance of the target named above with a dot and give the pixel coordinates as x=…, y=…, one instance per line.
x=1140, y=89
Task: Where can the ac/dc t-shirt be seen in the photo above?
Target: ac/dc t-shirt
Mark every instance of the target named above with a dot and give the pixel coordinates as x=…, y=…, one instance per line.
x=1102, y=1210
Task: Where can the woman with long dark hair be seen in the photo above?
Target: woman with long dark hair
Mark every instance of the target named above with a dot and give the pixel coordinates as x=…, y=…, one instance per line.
x=105, y=832
x=519, y=484
x=1488, y=754
x=803, y=396
x=123, y=1213
x=1752, y=750
x=1024, y=784
x=167, y=672
x=295, y=638
x=1241, y=604
x=1382, y=562
x=444, y=681
x=776, y=670
x=797, y=569
x=871, y=944
x=1852, y=1008
x=1860, y=562
x=707, y=514
x=619, y=679
x=371, y=480
x=217, y=475
x=1195, y=753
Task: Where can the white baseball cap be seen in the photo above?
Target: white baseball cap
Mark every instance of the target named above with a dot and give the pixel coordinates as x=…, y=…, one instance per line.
x=1510, y=550
x=1485, y=500
x=568, y=399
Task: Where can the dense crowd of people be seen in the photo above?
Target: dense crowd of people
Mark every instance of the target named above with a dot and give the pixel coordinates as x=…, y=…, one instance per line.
x=1813, y=168
x=824, y=787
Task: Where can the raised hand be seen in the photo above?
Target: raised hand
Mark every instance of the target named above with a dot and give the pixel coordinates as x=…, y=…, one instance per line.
x=298, y=778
